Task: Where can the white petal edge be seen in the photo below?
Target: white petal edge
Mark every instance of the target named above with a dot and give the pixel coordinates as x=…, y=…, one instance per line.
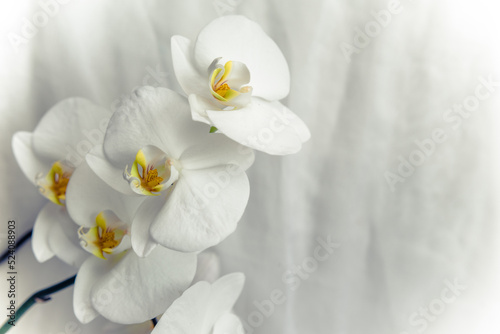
x=218, y=151
x=199, y=308
x=265, y=126
x=110, y=174
x=190, y=79
x=199, y=106
x=228, y=324
x=89, y=272
x=187, y=314
x=142, y=243
x=63, y=239
x=30, y=164
x=41, y=232
x=69, y=130
x=225, y=292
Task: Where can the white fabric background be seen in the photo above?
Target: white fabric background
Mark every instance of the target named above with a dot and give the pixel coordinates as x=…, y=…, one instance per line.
x=396, y=248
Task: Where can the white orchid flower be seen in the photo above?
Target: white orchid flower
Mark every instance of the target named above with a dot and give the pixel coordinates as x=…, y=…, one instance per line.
x=48, y=156
x=235, y=75
x=122, y=286
x=205, y=308
x=115, y=282
x=192, y=183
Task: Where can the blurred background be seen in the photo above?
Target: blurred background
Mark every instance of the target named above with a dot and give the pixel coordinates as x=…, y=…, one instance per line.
x=398, y=186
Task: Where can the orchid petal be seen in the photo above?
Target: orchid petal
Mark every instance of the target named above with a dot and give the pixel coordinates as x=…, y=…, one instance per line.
x=199, y=307
x=244, y=40
x=63, y=240
x=107, y=172
x=225, y=292
x=265, y=126
x=69, y=130
x=41, y=232
x=199, y=106
x=138, y=289
x=55, y=233
x=160, y=117
x=186, y=315
x=217, y=151
x=228, y=324
x=142, y=243
x=152, y=116
x=188, y=76
x=30, y=164
x=236, y=74
x=87, y=195
x=90, y=270
x=202, y=210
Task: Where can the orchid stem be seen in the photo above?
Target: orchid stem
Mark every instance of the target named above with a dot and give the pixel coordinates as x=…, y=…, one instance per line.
x=38, y=297
x=19, y=243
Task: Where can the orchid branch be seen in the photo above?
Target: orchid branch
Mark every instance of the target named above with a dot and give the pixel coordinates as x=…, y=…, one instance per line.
x=38, y=297
x=19, y=243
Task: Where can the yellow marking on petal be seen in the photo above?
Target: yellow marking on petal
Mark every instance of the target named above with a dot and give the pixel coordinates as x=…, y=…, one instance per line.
x=55, y=183
x=227, y=69
x=231, y=94
x=135, y=170
x=221, y=89
x=140, y=158
x=97, y=251
x=146, y=179
x=214, y=75
x=101, y=239
x=101, y=220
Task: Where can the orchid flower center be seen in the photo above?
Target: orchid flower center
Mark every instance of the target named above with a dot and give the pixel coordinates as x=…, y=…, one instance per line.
x=152, y=172
x=227, y=83
x=53, y=185
x=105, y=237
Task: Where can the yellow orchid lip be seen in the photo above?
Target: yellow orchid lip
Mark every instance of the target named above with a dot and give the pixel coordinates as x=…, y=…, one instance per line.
x=151, y=172
x=105, y=236
x=53, y=185
x=227, y=83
